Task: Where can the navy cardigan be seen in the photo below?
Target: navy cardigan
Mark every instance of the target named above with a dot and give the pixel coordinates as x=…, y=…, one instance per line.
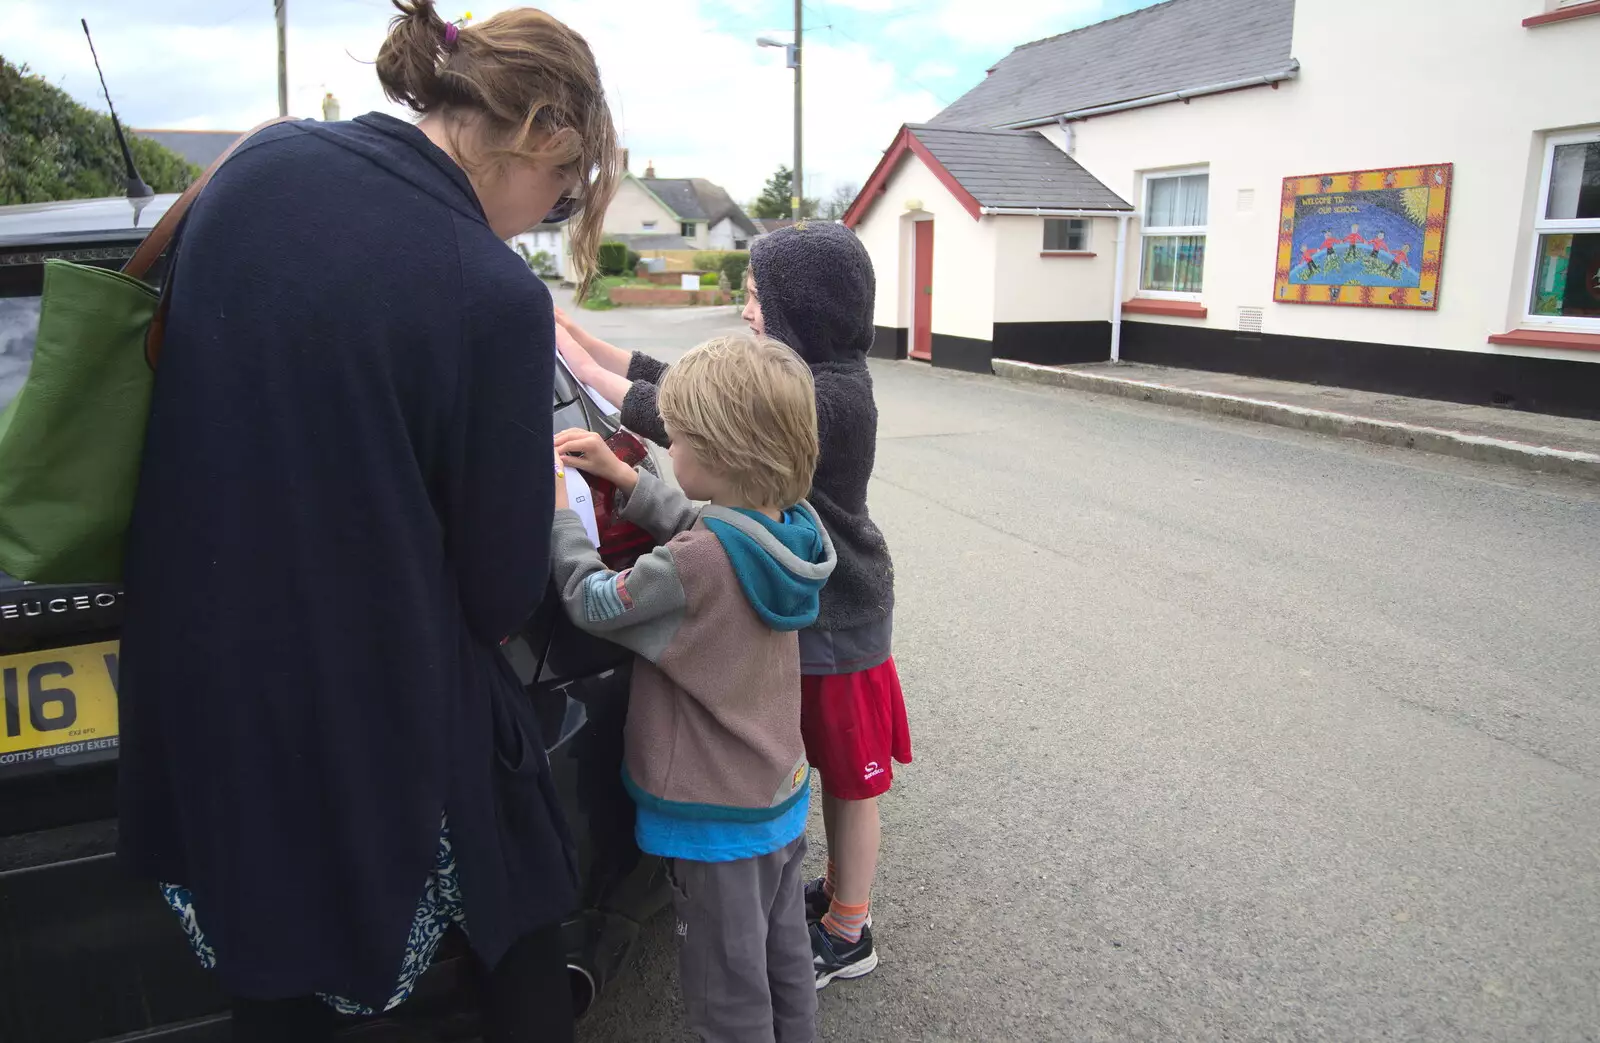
x=345, y=505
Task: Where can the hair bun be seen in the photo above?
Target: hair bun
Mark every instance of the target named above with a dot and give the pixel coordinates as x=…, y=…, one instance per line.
x=408, y=62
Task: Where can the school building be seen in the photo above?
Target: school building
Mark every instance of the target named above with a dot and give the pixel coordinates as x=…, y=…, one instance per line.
x=1391, y=196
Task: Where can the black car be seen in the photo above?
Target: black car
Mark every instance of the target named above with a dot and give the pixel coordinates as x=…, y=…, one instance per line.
x=86, y=954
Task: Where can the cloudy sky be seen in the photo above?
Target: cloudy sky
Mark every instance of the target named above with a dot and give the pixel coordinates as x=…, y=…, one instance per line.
x=689, y=88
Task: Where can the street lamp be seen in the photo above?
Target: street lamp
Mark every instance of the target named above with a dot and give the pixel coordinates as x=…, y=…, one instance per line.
x=792, y=53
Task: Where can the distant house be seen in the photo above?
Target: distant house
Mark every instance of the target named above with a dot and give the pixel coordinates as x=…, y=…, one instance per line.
x=546, y=239
x=768, y=225
x=1267, y=187
x=692, y=209
x=200, y=147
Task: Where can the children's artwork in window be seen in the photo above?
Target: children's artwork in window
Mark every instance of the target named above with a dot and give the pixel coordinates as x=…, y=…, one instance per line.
x=1365, y=239
x=1567, y=280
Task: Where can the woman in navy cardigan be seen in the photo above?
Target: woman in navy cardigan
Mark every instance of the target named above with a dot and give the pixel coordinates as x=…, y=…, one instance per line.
x=344, y=508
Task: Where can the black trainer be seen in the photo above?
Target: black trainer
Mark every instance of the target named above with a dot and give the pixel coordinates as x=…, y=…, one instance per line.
x=833, y=957
x=817, y=900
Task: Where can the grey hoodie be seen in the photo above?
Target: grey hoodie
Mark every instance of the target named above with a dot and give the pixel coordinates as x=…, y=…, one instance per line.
x=713, y=732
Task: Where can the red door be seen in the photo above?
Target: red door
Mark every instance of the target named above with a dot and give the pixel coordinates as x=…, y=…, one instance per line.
x=922, y=287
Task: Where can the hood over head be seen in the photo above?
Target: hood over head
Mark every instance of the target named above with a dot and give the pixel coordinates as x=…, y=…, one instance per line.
x=815, y=283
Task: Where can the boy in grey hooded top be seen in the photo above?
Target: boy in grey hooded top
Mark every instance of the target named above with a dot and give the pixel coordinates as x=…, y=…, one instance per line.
x=811, y=286
x=714, y=756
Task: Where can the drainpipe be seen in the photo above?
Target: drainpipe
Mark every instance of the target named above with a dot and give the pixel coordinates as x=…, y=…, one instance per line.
x=1116, y=287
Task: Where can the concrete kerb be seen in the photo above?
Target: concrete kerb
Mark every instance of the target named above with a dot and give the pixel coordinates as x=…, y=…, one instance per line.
x=1382, y=432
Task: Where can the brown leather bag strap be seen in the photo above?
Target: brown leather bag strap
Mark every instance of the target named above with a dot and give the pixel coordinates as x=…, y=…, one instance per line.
x=160, y=236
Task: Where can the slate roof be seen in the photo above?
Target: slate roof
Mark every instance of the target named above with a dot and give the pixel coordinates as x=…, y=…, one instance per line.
x=678, y=194
x=652, y=241
x=1018, y=168
x=771, y=224
x=696, y=199
x=1173, y=46
x=200, y=147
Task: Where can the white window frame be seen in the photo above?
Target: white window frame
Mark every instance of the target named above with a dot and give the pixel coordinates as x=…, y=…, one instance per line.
x=1164, y=232
x=689, y=229
x=1543, y=226
x=1084, y=247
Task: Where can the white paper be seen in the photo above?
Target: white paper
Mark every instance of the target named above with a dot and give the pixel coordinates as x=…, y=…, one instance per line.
x=599, y=400
x=580, y=499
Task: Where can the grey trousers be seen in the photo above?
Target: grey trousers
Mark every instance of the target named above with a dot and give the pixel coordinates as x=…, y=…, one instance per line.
x=744, y=951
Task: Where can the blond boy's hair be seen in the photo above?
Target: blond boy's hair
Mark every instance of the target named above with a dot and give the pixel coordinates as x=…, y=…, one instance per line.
x=747, y=408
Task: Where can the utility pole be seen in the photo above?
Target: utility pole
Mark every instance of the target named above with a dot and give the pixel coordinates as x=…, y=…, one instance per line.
x=794, y=59
x=797, y=193
x=280, y=7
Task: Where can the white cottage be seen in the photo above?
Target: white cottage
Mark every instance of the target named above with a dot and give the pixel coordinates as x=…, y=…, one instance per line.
x=1401, y=197
x=676, y=213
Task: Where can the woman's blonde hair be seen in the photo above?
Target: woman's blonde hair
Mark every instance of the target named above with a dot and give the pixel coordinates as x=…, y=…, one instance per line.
x=532, y=82
x=747, y=409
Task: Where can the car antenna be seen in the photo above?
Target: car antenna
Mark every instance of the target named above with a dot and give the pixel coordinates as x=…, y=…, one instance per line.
x=137, y=189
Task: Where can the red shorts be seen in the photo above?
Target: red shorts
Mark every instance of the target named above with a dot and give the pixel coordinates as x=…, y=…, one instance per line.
x=854, y=727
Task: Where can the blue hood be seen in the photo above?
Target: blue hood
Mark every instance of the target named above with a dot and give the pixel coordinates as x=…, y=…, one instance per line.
x=781, y=565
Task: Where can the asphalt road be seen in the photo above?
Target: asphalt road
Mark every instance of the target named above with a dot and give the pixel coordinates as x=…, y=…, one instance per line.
x=1222, y=732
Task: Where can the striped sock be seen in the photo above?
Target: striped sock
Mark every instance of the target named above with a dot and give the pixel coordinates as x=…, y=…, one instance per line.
x=827, y=880
x=845, y=921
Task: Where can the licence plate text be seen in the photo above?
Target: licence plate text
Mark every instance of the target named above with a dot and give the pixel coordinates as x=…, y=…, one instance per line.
x=58, y=702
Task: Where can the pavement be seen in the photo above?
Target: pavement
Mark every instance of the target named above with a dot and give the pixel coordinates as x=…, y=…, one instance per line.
x=1555, y=445
x=1223, y=731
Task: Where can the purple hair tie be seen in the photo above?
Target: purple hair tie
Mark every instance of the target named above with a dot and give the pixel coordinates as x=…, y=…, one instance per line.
x=450, y=34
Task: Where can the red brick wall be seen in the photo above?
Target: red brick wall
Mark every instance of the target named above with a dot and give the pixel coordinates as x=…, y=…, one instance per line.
x=659, y=295
x=672, y=279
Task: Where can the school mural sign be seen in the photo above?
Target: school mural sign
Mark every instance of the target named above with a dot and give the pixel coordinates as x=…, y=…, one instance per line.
x=1364, y=239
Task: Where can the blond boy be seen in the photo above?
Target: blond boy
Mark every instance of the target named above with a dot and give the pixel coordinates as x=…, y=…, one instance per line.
x=714, y=756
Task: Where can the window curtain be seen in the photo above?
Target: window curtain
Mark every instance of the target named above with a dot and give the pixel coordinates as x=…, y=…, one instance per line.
x=1574, y=183
x=1178, y=202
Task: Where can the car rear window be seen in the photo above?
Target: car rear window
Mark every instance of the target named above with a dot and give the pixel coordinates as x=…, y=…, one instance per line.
x=19, y=325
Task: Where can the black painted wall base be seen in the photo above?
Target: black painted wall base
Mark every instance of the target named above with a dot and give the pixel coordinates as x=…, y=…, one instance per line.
x=1046, y=343
x=1053, y=343
x=1539, y=385
x=888, y=342
x=967, y=354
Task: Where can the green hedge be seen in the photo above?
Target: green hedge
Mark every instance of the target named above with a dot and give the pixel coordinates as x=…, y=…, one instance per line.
x=731, y=263
x=53, y=148
x=613, y=258
x=709, y=278
x=734, y=264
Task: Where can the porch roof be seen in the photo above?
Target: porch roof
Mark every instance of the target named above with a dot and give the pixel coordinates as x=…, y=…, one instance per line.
x=1005, y=169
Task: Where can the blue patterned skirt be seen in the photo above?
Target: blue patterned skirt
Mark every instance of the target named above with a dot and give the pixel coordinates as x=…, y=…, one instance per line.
x=439, y=907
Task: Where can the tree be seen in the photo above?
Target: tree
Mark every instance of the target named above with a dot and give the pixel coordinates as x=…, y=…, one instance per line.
x=777, y=197
x=53, y=148
x=840, y=199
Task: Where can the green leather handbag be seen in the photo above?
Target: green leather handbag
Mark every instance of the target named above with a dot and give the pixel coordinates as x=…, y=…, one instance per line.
x=71, y=439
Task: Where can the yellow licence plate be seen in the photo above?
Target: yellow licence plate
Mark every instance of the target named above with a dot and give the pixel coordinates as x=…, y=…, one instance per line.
x=58, y=703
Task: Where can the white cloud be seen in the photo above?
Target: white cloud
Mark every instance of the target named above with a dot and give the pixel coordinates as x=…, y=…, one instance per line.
x=721, y=107
x=711, y=105
x=869, y=5
x=934, y=70
x=983, y=25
